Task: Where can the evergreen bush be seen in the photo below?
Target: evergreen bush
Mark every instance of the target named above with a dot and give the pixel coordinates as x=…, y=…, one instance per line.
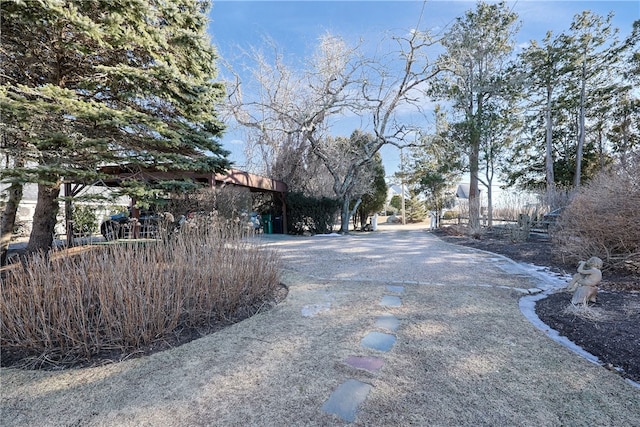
x=311, y=214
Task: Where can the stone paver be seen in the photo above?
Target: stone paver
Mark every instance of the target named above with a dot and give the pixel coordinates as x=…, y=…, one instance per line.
x=368, y=363
x=388, y=322
x=314, y=309
x=391, y=301
x=378, y=341
x=344, y=401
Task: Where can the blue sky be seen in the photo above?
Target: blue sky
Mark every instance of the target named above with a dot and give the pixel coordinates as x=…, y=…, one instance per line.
x=296, y=25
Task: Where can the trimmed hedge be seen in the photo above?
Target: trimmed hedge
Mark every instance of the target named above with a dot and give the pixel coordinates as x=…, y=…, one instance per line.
x=310, y=214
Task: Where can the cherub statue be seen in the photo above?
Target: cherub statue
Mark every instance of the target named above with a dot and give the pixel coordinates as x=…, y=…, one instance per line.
x=585, y=280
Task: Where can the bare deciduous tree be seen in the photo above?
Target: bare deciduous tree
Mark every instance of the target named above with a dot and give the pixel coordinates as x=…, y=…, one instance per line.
x=292, y=112
x=351, y=178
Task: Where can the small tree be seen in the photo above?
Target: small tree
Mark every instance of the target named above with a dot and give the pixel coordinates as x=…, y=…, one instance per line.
x=435, y=164
x=416, y=211
x=373, y=200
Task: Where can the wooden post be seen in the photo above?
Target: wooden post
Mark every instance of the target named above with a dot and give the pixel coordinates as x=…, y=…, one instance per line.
x=284, y=213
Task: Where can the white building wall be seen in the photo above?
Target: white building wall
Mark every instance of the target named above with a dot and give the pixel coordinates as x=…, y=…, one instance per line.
x=27, y=206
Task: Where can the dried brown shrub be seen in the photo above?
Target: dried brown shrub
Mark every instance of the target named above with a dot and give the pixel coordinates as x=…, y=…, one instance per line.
x=122, y=297
x=603, y=220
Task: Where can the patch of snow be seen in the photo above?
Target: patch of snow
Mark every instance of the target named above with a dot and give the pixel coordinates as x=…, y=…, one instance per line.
x=633, y=383
x=527, y=307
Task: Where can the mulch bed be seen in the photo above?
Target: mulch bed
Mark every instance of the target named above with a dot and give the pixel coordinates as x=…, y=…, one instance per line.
x=608, y=329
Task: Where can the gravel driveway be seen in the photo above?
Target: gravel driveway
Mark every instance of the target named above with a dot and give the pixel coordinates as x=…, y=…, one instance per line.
x=462, y=353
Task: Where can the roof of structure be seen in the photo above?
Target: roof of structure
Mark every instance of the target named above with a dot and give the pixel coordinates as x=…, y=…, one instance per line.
x=254, y=182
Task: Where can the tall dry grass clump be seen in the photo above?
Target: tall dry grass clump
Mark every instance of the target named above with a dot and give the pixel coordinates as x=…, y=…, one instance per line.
x=126, y=296
x=603, y=220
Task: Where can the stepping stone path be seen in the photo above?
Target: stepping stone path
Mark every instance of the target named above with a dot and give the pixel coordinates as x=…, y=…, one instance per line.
x=344, y=401
x=391, y=301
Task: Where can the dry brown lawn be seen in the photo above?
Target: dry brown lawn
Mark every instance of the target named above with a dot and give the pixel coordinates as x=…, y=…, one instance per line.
x=464, y=355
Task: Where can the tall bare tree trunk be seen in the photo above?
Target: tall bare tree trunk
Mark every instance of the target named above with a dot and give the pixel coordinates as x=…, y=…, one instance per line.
x=9, y=219
x=44, y=218
x=581, y=126
x=346, y=213
x=624, y=126
x=344, y=216
x=474, y=200
x=548, y=158
x=489, y=205
x=474, y=167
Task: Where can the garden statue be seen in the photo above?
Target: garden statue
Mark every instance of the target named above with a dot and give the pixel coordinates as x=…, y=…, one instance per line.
x=584, y=282
x=434, y=220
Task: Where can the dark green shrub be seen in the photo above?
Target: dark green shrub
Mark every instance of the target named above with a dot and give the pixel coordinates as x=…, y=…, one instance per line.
x=396, y=202
x=310, y=214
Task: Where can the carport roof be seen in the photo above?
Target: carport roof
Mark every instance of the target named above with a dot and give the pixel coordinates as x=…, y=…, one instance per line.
x=120, y=173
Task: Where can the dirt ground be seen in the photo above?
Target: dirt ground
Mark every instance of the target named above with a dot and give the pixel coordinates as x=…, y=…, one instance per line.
x=607, y=329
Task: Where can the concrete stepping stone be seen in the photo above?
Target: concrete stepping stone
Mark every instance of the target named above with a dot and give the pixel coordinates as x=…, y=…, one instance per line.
x=378, y=341
x=368, y=363
x=395, y=289
x=314, y=309
x=388, y=322
x=391, y=301
x=344, y=401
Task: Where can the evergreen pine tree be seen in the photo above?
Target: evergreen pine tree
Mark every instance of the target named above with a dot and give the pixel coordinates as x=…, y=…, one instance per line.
x=93, y=82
